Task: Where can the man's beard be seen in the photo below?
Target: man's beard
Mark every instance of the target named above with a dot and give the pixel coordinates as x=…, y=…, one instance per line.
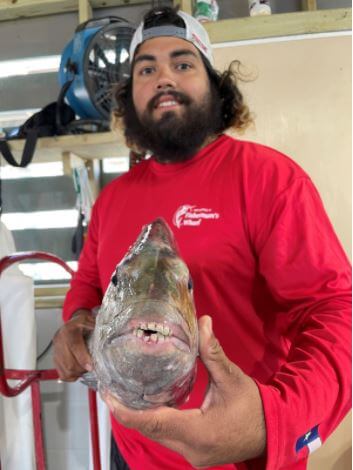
x=174, y=137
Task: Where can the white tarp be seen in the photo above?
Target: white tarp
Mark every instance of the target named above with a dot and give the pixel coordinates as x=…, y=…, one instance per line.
x=19, y=340
x=104, y=435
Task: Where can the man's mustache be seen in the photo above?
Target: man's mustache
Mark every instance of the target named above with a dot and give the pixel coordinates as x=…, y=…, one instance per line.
x=178, y=96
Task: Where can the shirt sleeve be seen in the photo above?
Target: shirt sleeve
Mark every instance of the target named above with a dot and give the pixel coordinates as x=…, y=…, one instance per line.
x=85, y=288
x=308, y=274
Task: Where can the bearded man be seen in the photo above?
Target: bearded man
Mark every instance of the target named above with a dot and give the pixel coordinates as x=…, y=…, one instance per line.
x=267, y=268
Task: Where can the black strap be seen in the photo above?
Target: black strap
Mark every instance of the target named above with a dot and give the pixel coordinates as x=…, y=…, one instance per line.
x=60, y=103
x=28, y=150
x=31, y=135
x=78, y=237
x=117, y=461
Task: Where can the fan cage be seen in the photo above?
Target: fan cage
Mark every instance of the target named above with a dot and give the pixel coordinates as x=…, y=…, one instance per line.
x=106, y=62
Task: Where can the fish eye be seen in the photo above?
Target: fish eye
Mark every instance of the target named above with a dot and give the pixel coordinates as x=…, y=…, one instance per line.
x=115, y=280
x=190, y=283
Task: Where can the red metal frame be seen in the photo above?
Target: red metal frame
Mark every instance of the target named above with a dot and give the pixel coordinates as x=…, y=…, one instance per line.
x=32, y=378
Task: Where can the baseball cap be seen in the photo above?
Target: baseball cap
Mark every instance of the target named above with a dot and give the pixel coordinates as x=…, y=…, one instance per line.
x=193, y=32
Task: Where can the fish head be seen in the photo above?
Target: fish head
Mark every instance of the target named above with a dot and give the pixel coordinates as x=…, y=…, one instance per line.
x=146, y=338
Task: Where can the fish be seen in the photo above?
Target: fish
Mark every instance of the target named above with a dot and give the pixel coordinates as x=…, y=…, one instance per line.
x=144, y=345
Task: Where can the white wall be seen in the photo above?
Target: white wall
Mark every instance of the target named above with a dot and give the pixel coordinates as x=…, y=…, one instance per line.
x=301, y=99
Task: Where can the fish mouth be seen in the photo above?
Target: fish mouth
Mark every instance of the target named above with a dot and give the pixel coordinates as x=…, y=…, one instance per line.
x=150, y=331
x=152, y=337
x=154, y=333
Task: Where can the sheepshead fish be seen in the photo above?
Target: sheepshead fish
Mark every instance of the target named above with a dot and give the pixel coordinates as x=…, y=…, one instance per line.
x=145, y=342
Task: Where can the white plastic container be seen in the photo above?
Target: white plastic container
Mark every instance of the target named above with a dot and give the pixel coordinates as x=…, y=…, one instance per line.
x=259, y=7
x=206, y=10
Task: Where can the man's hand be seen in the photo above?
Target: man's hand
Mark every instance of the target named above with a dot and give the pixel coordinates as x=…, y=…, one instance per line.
x=228, y=427
x=71, y=357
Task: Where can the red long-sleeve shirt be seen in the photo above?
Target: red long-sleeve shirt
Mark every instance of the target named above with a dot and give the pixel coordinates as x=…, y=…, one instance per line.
x=266, y=265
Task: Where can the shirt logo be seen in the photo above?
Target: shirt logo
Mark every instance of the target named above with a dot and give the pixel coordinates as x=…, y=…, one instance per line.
x=311, y=440
x=193, y=216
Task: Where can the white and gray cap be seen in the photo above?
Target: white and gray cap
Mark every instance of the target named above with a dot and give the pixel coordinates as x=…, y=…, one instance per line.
x=193, y=32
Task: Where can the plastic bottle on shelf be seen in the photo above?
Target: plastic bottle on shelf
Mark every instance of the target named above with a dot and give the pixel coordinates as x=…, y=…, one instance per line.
x=206, y=10
x=259, y=7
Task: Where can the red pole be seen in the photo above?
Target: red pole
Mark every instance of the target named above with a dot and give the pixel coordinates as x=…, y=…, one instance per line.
x=92, y=398
x=6, y=261
x=37, y=425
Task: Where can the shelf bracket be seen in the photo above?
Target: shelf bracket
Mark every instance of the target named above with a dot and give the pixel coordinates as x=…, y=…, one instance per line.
x=185, y=5
x=309, y=5
x=84, y=11
x=72, y=160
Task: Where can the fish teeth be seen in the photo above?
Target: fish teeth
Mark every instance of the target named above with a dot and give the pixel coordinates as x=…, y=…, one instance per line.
x=159, y=328
x=154, y=338
x=166, y=330
x=161, y=337
x=139, y=333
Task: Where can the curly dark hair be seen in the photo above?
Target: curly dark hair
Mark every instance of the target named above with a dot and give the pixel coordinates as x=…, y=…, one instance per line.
x=234, y=111
x=235, y=114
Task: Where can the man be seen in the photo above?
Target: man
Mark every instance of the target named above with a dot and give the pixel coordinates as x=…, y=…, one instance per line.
x=265, y=262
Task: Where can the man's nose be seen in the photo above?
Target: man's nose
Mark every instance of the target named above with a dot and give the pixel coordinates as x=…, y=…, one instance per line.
x=165, y=79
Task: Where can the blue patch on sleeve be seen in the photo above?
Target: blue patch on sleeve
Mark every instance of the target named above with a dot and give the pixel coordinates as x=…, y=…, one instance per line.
x=307, y=439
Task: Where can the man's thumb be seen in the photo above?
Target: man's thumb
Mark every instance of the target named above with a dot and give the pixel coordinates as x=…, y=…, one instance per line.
x=211, y=352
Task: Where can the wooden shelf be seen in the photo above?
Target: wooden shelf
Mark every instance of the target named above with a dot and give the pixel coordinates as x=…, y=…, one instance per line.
x=20, y=9
x=284, y=24
x=234, y=29
x=87, y=146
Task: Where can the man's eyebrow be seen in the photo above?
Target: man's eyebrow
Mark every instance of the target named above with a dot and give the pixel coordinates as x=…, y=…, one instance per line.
x=143, y=57
x=180, y=52
x=173, y=55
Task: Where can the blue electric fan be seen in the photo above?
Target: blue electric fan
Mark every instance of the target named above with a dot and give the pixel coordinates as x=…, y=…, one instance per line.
x=94, y=61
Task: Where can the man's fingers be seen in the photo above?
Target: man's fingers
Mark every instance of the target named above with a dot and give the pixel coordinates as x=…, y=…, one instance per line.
x=71, y=355
x=146, y=421
x=80, y=352
x=68, y=368
x=83, y=326
x=160, y=424
x=179, y=430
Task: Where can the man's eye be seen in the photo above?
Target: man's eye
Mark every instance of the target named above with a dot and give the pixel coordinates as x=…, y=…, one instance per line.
x=183, y=66
x=146, y=71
